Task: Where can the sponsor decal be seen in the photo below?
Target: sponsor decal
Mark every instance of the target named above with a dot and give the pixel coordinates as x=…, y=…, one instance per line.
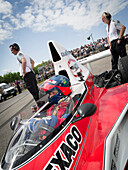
x=65, y=53
x=52, y=81
x=66, y=152
x=65, y=82
x=74, y=68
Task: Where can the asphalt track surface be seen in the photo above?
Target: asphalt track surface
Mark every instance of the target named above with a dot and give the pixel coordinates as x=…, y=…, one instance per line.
x=21, y=104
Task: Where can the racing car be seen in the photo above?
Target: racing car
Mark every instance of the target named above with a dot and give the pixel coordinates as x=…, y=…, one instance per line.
x=93, y=134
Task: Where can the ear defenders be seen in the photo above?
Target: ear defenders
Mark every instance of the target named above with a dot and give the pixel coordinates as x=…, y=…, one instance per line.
x=15, y=46
x=107, y=15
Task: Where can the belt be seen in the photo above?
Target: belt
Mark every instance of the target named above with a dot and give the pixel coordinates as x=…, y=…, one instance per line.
x=117, y=39
x=29, y=72
x=114, y=40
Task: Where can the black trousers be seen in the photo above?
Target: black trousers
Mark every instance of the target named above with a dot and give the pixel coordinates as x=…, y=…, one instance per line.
x=116, y=51
x=31, y=85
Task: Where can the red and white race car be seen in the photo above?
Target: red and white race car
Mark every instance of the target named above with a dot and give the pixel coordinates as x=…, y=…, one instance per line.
x=94, y=134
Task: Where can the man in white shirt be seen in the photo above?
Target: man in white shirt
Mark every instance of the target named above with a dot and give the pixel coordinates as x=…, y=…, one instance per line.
x=26, y=65
x=115, y=32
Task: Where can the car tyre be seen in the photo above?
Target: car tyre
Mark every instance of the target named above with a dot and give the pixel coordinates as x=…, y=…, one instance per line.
x=123, y=65
x=1, y=99
x=15, y=94
x=4, y=98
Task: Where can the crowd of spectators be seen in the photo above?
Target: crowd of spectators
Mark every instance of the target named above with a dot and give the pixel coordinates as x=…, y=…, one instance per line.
x=45, y=71
x=92, y=48
x=89, y=49
x=20, y=83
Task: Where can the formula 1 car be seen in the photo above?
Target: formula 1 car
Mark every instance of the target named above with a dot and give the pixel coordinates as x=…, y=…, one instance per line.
x=94, y=134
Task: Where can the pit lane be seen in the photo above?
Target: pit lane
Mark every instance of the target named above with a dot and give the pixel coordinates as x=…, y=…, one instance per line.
x=22, y=104
x=8, y=109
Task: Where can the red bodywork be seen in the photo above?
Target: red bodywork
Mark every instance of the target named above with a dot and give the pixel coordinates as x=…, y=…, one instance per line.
x=94, y=130
x=84, y=144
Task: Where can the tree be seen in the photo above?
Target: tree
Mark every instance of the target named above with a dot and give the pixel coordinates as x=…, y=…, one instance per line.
x=11, y=77
x=35, y=70
x=39, y=65
x=1, y=79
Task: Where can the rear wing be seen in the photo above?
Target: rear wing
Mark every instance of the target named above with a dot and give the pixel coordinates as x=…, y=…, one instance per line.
x=65, y=64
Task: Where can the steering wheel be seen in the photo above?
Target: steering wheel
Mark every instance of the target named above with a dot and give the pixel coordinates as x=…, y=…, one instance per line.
x=46, y=129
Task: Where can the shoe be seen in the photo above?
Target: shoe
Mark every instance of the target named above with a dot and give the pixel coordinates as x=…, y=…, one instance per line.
x=35, y=108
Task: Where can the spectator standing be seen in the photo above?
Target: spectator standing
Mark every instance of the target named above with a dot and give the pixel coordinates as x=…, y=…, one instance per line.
x=26, y=65
x=18, y=86
x=115, y=32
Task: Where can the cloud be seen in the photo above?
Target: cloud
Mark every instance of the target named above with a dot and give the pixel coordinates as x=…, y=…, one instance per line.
x=5, y=31
x=5, y=27
x=5, y=7
x=46, y=15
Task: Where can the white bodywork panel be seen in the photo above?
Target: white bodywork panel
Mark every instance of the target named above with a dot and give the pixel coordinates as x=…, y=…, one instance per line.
x=116, y=148
x=64, y=62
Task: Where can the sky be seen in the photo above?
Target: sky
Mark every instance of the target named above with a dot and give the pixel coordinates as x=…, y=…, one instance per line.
x=32, y=23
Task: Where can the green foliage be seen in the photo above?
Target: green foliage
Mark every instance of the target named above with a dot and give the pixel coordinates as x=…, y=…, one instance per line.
x=39, y=65
x=11, y=77
x=1, y=79
x=35, y=70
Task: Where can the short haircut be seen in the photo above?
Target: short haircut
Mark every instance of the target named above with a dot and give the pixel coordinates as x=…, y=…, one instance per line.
x=107, y=15
x=15, y=47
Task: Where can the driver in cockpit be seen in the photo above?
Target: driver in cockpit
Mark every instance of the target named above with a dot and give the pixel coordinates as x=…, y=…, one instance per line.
x=58, y=88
